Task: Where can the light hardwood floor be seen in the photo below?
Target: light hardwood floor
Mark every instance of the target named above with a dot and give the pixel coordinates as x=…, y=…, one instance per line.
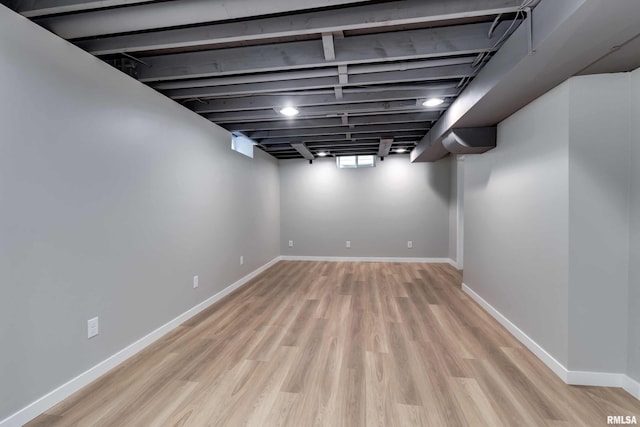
x=340, y=344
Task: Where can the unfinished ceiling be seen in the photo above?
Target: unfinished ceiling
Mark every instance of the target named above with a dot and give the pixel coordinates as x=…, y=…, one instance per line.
x=358, y=72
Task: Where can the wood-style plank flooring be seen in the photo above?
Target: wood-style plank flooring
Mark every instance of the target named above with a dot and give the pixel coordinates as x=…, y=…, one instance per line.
x=340, y=344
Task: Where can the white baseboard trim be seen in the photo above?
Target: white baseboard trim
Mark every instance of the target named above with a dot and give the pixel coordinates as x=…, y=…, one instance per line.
x=56, y=396
x=598, y=379
x=541, y=353
x=366, y=259
x=604, y=379
x=631, y=386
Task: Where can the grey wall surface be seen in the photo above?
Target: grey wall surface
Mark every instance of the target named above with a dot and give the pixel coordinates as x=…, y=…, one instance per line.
x=378, y=209
x=516, y=213
x=599, y=172
x=112, y=197
x=633, y=354
x=453, y=207
x=552, y=237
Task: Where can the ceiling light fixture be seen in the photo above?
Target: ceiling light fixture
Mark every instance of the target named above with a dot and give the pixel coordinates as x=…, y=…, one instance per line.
x=432, y=102
x=400, y=150
x=322, y=154
x=289, y=111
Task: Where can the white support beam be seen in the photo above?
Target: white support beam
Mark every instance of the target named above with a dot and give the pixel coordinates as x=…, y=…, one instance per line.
x=344, y=119
x=303, y=150
x=343, y=74
x=461, y=40
x=328, y=46
x=385, y=146
x=338, y=92
x=334, y=22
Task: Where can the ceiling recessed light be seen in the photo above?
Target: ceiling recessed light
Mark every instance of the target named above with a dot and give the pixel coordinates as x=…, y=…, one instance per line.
x=322, y=154
x=432, y=102
x=400, y=150
x=289, y=111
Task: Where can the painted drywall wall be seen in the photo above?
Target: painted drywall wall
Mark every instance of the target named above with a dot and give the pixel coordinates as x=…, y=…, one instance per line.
x=633, y=345
x=551, y=232
x=112, y=198
x=599, y=171
x=378, y=209
x=453, y=207
x=516, y=220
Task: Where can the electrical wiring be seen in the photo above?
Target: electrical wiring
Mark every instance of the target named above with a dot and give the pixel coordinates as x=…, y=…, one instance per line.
x=519, y=13
x=494, y=25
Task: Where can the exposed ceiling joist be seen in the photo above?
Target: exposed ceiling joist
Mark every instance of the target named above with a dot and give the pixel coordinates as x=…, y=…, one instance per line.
x=399, y=135
x=171, y=14
x=385, y=146
x=392, y=107
x=388, y=129
x=305, y=99
x=357, y=71
x=328, y=46
x=334, y=121
x=396, y=46
x=36, y=8
x=368, y=110
x=323, y=22
x=374, y=79
x=303, y=150
x=325, y=71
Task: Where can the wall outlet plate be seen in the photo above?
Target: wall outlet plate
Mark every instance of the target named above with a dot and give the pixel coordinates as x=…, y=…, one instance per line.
x=410, y=244
x=290, y=243
x=348, y=243
x=93, y=327
x=241, y=260
x=196, y=282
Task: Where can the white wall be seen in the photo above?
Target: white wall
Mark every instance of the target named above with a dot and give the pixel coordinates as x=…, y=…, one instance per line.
x=633, y=354
x=516, y=217
x=378, y=209
x=599, y=172
x=112, y=197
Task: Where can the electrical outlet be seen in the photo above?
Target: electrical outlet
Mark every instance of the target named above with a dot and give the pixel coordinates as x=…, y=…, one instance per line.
x=195, y=282
x=290, y=243
x=241, y=260
x=410, y=244
x=92, y=327
x=348, y=243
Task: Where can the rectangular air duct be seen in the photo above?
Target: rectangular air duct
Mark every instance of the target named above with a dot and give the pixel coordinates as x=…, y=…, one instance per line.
x=470, y=140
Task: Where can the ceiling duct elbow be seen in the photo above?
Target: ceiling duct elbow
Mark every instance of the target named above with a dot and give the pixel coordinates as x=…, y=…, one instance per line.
x=470, y=140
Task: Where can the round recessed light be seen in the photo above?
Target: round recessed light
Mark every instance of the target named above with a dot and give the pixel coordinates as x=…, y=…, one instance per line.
x=322, y=154
x=432, y=102
x=289, y=111
x=400, y=150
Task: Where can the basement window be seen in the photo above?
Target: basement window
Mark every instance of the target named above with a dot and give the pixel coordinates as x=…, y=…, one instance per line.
x=242, y=144
x=353, y=162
